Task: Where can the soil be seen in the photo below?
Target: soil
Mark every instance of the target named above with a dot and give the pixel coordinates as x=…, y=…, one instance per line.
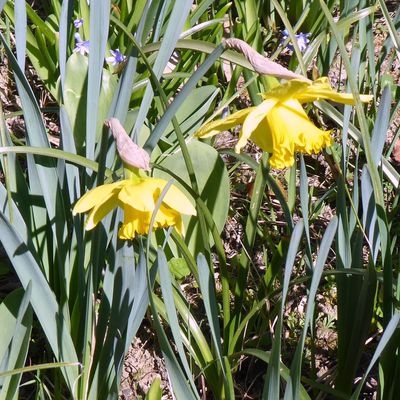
x=142, y=365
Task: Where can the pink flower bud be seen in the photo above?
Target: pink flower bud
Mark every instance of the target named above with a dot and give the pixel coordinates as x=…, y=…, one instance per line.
x=129, y=151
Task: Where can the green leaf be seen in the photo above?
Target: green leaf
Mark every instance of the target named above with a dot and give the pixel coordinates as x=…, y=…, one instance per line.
x=213, y=182
x=43, y=176
x=120, y=314
x=8, y=315
x=272, y=382
x=293, y=386
x=55, y=153
x=381, y=125
x=19, y=341
x=97, y=105
x=75, y=97
x=388, y=334
x=155, y=392
x=182, y=389
x=40, y=62
x=38, y=367
x=20, y=31
x=179, y=268
x=180, y=99
x=331, y=112
x=166, y=284
x=207, y=287
x=43, y=300
x=176, y=22
x=394, y=34
x=283, y=369
x=191, y=114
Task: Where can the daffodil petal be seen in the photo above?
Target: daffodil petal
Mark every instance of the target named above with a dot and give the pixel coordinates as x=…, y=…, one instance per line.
x=179, y=225
x=143, y=195
x=135, y=222
x=99, y=211
x=176, y=200
x=128, y=231
x=138, y=222
x=262, y=136
x=305, y=92
x=252, y=122
x=139, y=195
x=165, y=217
x=292, y=131
x=215, y=127
x=288, y=90
x=96, y=196
x=321, y=89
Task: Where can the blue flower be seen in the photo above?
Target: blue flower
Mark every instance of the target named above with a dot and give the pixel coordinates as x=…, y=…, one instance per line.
x=302, y=40
x=225, y=112
x=78, y=23
x=116, y=57
x=81, y=46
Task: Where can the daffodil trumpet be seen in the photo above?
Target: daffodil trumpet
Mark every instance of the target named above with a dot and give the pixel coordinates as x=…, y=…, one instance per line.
x=137, y=195
x=279, y=125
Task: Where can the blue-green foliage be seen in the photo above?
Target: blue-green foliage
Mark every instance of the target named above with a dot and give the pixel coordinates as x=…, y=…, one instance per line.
x=90, y=291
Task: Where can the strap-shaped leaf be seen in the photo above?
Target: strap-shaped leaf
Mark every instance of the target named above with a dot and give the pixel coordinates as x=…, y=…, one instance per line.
x=175, y=24
x=18, y=348
x=272, y=382
x=43, y=174
x=46, y=308
x=293, y=386
x=99, y=23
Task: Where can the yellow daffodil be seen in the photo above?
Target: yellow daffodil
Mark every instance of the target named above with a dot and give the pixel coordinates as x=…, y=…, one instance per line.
x=137, y=196
x=279, y=125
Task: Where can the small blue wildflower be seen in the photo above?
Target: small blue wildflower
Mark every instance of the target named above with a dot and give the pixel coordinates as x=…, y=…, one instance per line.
x=225, y=112
x=81, y=46
x=78, y=23
x=302, y=40
x=116, y=57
